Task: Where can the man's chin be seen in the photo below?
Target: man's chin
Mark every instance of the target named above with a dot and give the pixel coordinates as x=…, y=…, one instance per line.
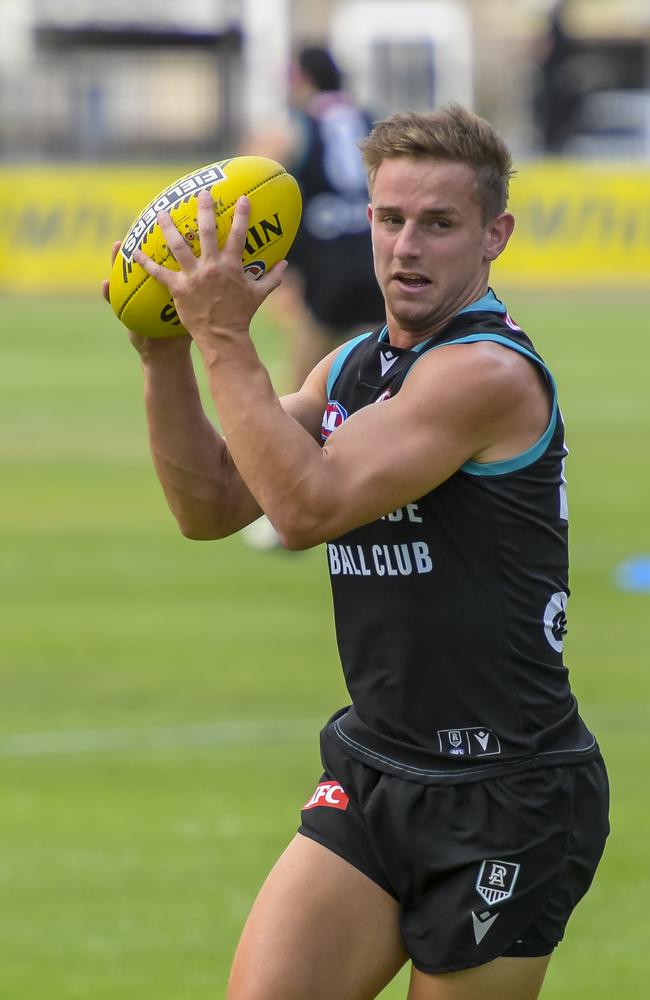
x=414, y=320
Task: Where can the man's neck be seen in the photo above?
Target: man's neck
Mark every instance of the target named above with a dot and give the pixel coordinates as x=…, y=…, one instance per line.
x=408, y=339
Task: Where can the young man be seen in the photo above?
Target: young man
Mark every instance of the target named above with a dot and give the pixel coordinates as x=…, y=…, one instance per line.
x=463, y=808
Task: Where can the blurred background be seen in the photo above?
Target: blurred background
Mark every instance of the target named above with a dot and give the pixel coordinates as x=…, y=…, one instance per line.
x=161, y=698
x=567, y=83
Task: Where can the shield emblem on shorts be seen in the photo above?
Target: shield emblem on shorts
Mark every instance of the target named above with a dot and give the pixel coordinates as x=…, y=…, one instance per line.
x=496, y=880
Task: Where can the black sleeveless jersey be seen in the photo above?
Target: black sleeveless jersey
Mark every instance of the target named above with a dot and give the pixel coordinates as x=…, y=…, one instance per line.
x=451, y=612
x=330, y=170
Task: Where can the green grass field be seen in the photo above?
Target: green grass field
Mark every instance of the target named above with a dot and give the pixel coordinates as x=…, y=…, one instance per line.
x=161, y=698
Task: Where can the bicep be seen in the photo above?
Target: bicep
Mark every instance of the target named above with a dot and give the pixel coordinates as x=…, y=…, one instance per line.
x=391, y=453
x=388, y=455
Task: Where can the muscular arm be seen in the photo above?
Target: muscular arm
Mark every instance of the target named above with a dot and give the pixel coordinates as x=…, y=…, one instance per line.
x=470, y=401
x=201, y=483
x=477, y=401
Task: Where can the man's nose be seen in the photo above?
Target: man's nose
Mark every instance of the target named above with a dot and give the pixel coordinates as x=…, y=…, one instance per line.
x=407, y=244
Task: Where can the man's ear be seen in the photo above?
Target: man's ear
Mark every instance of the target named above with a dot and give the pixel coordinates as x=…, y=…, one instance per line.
x=369, y=213
x=498, y=232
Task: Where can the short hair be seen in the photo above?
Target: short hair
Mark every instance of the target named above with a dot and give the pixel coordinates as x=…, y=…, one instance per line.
x=450, y=133
x=319, y=67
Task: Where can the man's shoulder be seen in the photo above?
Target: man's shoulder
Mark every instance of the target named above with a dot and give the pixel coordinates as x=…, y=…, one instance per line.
x=484, y=376
x=475, y=360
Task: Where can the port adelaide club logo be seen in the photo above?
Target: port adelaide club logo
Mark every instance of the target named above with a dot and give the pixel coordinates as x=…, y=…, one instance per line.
x=496, y=881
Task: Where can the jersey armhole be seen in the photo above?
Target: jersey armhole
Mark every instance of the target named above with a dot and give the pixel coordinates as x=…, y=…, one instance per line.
x=537, y=449
x=341, y=358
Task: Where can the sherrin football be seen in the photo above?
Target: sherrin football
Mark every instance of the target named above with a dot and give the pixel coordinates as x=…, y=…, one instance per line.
x=142, y=303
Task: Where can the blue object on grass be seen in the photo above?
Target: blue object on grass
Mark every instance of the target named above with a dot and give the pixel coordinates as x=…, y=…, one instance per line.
x=634, y=574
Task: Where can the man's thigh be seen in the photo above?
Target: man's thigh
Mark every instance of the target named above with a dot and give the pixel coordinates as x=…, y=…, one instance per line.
x=502, y=979
x=319, y=928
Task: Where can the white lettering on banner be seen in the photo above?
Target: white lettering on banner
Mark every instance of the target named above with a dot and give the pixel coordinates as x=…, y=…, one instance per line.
x=383, y=560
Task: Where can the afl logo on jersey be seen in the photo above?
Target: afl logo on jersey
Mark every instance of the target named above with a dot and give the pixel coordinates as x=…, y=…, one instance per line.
x=333, y=417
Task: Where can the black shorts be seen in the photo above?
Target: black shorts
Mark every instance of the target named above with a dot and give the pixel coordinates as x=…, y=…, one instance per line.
x=480, y=870
x=340, y=287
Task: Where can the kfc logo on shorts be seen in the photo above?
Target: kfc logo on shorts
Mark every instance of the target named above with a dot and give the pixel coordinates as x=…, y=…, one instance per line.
x=330, y=794
x=333, y=417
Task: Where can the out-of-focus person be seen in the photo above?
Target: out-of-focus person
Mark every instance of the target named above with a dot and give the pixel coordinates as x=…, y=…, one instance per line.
x=330, y=291
x=560, y=83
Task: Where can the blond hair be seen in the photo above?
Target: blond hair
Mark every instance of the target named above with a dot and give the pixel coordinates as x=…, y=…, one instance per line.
x=453, y=134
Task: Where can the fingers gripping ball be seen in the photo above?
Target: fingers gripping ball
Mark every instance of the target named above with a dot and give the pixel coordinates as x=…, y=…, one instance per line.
x=141, y=302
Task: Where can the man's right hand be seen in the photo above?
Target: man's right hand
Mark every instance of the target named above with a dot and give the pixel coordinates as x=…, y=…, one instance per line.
x=149, y=348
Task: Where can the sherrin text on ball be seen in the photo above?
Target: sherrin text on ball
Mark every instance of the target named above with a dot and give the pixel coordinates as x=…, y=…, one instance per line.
x=141, y=302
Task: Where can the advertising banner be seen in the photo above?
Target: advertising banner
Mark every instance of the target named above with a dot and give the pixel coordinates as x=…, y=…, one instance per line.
x=579, y=225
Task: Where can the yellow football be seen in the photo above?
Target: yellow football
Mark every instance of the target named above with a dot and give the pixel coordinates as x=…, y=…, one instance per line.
x=142, y=303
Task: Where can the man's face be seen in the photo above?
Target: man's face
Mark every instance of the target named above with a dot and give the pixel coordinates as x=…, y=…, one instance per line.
x=432, y=249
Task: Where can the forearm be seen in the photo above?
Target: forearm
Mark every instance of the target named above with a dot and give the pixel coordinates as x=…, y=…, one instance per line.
x=274, y=450
x=201, y=485
x=277, y=457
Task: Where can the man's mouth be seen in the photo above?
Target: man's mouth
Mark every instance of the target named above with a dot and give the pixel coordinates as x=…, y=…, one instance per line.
x=411, y=279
